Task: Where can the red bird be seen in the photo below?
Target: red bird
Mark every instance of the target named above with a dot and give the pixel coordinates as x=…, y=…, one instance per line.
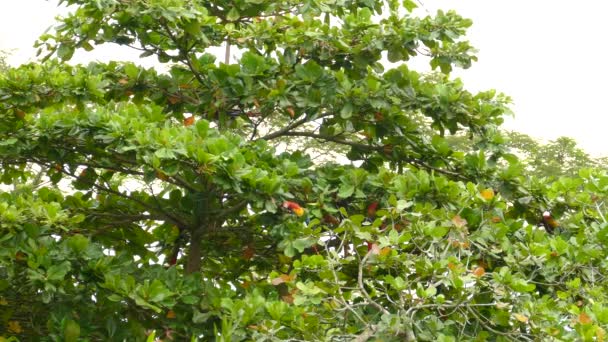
x=294, y=207
x=549, y=222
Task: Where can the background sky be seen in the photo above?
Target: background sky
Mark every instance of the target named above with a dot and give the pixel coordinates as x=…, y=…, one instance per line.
x=550, y=56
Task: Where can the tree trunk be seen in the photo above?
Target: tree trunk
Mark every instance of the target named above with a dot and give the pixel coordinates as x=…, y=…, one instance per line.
x=193, y=264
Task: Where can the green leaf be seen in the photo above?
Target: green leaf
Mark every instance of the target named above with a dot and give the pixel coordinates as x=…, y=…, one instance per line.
x=71, y=331
x=309, y=72
x=65, y=51
x=253, y=64
x=233, y=14
x=346, y=190
x=58, y=272
x=78, y=243
x=151, y=336
x=158, y=292
x=347, y=111
x=409, y=5
x=302, y=244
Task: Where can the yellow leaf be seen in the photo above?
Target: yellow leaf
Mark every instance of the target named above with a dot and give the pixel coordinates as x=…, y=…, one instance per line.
x=487, y=194
x=3, y=301
x=521, y=318
x=584, y=319
x=385, y=251
x=14, y=327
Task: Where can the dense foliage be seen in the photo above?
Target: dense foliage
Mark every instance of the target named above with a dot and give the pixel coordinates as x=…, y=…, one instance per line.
x=142, y=204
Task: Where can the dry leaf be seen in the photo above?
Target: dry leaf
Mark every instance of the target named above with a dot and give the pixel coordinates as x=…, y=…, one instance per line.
x=459, y=221
x=189, y=121
x=501, y=305
x=287, y=299
x=373, y=248
x=283, y=278
x=584, y=319
x=123, y=81
x=170, y=314
x=479, y=271
x=291, y=112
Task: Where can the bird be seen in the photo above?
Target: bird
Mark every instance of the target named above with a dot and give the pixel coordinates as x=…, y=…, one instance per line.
x=549, y=222
x=294, y=207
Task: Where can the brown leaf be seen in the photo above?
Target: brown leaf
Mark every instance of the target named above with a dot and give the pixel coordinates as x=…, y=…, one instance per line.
x=291, y=111
x=189, y=121
x=283, y=278
x=123, y=81
x=479, y=271
x=170, y=314
x=459, y=221
x=584, y=319
x=287, y=298
x=173, y=99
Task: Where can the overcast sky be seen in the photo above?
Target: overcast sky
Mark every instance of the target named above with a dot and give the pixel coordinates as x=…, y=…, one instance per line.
x=550, y=56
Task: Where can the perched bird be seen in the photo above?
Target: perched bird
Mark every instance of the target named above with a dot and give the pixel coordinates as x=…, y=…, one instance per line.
x=293, y=207
x=549, y=222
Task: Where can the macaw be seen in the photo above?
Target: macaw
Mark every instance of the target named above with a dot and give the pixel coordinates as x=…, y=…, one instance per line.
x=294, y=207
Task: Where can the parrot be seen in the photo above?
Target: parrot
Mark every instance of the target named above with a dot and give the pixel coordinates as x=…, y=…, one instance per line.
x=294, y=207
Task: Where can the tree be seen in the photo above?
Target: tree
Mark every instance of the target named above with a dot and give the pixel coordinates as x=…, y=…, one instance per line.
x=559, y=157
x=154, y=205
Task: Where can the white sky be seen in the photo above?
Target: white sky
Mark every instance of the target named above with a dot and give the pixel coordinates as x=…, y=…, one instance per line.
x=549, y=56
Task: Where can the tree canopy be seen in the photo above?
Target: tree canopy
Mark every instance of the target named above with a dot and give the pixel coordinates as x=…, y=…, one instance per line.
x=190, y=202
